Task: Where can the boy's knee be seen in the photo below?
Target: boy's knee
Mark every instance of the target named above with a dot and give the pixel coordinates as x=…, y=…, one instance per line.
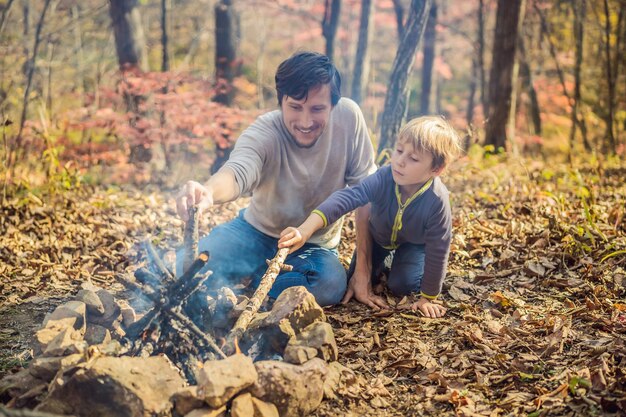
x=401, y=288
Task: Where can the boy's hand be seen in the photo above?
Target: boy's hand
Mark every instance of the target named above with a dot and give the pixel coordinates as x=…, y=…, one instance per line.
x=291, y=238
x=428, y=308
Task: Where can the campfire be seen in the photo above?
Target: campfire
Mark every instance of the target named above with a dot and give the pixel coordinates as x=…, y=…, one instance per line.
x=95, y=356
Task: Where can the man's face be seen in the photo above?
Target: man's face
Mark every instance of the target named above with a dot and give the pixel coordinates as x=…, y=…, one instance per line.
x=306, y=119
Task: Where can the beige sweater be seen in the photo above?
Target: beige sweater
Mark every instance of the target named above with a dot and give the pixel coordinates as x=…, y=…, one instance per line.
x=287, y=181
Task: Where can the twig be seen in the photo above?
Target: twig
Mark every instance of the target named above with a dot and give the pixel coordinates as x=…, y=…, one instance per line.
x=275, y=267
x=158, y=263
x=190, y=237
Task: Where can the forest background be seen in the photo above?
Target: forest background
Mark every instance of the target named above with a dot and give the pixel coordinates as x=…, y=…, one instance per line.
x=551, y=72
x=107, y=107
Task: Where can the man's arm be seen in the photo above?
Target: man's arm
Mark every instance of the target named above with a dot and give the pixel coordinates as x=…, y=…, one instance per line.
x=360, y=285
x=221, y=188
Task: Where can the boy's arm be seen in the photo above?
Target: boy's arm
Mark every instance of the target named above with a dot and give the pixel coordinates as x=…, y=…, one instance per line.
x=360, y=285
x=295, y=238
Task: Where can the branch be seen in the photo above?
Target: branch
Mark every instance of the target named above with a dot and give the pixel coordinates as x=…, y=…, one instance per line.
x=275, y=267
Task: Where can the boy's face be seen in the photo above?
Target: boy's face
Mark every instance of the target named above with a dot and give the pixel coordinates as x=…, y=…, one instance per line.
x=306, y=119
x=412, y=167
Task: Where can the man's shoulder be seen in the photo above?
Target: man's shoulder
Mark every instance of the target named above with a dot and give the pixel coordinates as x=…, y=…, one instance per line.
x=348, y=107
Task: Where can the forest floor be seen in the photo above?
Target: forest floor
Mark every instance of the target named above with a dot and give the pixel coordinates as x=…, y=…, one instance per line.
x=535, y=291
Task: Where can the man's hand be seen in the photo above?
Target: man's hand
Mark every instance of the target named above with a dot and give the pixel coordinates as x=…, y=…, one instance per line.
x=428, y=308
x=291, y=238
x=193, y=193
x=360, y=287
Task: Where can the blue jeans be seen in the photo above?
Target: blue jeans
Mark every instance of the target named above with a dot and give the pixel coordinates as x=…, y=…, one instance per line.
x=238, y=250
x=407, y=267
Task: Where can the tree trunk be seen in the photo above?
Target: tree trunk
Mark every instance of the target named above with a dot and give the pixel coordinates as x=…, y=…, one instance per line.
x=25, y=36
x=508, y=20
x=529, y=86
x=165, y=62
x=332, y=11
x=430, y=38
x=481, y=57
x=361, y=62
x=5, y=13
x=17, y=144
x=226, y=66
x=580, y=10
x=471, y=99
x=128, y=32
x=395, y=99
x=78, y=45
x=399, y=10
x=609, y=145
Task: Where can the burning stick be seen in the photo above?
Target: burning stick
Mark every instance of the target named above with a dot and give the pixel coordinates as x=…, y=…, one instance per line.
x=190, y=237
x=167, y=300
x=274, y=268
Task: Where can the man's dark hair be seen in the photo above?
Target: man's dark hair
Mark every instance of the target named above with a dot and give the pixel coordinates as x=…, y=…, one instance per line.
x=305, y=70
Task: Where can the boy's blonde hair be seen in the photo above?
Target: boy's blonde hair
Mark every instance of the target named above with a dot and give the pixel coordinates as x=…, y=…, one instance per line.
x=432, y=134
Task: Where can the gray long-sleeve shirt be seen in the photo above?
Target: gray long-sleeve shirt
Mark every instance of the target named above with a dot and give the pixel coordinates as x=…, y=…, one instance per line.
x=288, y=181
x=426, y=220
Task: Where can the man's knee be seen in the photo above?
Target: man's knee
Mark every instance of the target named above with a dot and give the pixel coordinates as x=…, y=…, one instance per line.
x=331, y=286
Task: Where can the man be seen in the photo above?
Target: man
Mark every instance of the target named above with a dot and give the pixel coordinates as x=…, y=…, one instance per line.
x=289, y=160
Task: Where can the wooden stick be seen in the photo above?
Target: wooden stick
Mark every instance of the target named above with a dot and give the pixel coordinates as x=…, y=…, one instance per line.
x=161, y=305
x=275, y=267
x=156, y=261
x=190, y=237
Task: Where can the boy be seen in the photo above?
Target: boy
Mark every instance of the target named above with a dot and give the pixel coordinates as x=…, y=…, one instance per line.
x=410, y=212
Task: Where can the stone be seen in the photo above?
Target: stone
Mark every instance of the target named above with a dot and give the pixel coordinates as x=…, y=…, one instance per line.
x=17, y=384
x=112, y=311
x=92, y=301
x=121, y=387
x=299, y=354
x=221, y=380
x=96, y=334
x=45, y=368
x=208, y=412
x=67, y=342
x=187, y=400
x=294, y=309
x=246, y=405
x=129, y=315
x=295, y=390
x=44, y=336
x=70, y=312
x=320, y=336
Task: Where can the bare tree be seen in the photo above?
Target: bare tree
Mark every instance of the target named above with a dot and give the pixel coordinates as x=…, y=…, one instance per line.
x=165, y=8
x=332, y=11
x=481, y=56
x=361, y=62
x=129, y=37
x=580, y=8
x=17, y=144
x=395, y=100
x=226, y=48
x=612, y=71
x=430, y=38
x=526, y=77
x=398, y=8
x=508, y=19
